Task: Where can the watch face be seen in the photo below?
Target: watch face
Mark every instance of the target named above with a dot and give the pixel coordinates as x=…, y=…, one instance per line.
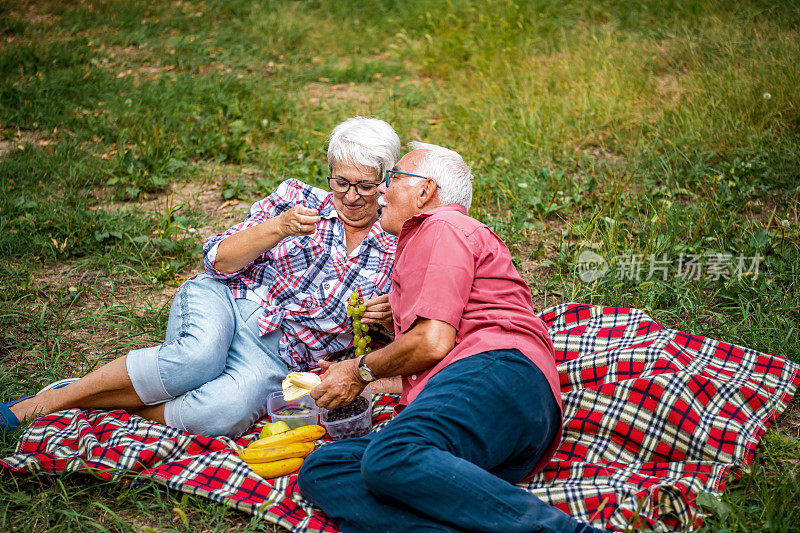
x=364, y=373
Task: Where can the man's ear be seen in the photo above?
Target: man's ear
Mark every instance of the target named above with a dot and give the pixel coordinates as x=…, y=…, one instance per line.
x=427, y=194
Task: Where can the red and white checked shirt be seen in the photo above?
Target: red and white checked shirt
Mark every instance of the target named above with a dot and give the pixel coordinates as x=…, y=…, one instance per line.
x=303, y=283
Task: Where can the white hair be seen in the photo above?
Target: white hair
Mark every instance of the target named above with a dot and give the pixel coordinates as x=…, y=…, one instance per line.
x=450, y=172
x=369, y=142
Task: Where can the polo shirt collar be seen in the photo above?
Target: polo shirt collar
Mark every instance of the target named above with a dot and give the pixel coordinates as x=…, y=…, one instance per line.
x=415, y=221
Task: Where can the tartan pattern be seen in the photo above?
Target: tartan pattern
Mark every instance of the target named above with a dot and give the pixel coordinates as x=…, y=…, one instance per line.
x=652, y=417
x=303, y=280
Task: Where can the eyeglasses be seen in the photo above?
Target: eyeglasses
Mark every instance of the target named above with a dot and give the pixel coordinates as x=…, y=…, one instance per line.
x=363, y=188
x=392, y=175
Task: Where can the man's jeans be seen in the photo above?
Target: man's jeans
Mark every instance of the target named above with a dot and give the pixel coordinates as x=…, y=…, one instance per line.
x=448, y=462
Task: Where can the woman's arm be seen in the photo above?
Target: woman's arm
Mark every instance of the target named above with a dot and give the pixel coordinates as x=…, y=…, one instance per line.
x=240, y=249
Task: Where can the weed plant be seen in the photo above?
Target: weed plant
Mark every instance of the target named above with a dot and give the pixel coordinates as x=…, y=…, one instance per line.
x=655, y=131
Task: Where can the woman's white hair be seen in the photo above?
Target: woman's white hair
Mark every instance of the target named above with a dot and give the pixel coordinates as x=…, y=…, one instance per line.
x=450, y=172
x=368, y=142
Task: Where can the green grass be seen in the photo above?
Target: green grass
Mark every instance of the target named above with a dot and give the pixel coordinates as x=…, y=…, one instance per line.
x=652, y=128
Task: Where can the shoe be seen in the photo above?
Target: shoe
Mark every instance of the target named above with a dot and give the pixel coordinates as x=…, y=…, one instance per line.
x=8, y=420
x=58, y=384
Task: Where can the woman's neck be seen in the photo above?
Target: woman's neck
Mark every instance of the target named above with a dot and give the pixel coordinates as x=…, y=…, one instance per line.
x=353, y=235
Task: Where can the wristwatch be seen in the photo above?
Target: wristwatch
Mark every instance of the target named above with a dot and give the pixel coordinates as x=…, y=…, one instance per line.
x=364, y=371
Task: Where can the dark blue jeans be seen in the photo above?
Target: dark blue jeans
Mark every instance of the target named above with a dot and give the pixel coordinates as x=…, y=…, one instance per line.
x=449, y=461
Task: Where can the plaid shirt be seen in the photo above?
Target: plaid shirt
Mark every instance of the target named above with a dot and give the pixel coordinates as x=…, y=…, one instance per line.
x=303, y=283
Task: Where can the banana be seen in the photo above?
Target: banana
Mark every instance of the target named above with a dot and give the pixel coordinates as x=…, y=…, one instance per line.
x=301, y=434
x=299, y=384
x=253, y=456
x=277, y=468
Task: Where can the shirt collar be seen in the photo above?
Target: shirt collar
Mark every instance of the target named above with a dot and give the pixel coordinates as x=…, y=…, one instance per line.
x=326, y=209
x=414, y=222
x=381, y=240
x=411, y=225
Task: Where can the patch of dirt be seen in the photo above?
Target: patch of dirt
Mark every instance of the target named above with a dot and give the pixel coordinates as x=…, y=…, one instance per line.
x=668, y=86
x=770, y=212
x=319, y=93
x=202, y=195
x=30, y=12
x=136, y=62
x=601, y=153
x=789, y=421
x=539, y=245
x=18, y=139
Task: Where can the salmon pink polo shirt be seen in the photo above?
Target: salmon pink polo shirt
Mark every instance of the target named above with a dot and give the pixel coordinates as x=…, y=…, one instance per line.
x=452, y=268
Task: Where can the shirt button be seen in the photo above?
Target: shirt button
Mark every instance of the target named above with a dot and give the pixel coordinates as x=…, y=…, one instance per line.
x=414, y=376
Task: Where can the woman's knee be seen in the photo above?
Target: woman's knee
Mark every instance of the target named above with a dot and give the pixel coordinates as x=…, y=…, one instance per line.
x=212, y=417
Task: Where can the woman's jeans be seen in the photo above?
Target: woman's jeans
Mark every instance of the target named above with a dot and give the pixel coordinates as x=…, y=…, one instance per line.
x=214, y=371
x=449, y=461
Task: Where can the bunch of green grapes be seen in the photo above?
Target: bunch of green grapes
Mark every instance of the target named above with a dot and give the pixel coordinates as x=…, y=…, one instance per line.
x=361, y=340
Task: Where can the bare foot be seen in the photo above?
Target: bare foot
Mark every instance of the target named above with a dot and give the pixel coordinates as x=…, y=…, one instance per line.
x=32, y=407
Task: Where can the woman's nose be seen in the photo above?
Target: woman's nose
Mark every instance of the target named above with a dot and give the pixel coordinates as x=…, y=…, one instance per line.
x=352, y=195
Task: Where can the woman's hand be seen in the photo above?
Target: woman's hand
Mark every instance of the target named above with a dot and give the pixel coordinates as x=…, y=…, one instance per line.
x=379, y=312
x=299, y=220
x=240, y=249
x=340, y=385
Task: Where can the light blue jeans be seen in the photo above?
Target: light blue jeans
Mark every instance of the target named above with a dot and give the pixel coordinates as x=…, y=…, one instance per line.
x=214, y=371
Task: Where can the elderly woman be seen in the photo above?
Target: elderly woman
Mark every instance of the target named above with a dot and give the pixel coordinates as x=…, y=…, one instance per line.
x=271, y=299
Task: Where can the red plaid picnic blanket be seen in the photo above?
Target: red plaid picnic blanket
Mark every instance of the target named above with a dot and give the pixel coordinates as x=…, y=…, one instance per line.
x=652, y=418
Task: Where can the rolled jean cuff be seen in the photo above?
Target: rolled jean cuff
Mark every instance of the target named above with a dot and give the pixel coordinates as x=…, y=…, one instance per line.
x=142, y=366
x=172, y=414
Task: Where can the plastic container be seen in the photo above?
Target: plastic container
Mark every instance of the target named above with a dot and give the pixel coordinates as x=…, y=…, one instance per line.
x=347, y=428
x=300, y=412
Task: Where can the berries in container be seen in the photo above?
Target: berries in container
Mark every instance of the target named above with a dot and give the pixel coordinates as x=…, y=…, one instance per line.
x=349, y=421
x=300, y=412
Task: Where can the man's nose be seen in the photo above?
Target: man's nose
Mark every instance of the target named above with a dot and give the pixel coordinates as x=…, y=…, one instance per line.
x=382, y=187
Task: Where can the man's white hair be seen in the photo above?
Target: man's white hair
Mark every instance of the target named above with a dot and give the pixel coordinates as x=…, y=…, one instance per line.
x=369, y=142
x=450, y=172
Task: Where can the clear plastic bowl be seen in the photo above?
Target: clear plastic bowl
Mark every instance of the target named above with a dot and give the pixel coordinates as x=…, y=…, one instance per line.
x=300, y=412
x=347, y=428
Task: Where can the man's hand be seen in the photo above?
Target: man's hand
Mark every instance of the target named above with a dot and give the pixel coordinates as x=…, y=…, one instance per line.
x=299, y=220
x=379, y=312
x=340, y=385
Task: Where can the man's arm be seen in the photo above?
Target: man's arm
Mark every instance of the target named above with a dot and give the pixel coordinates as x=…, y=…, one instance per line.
x=420, y=348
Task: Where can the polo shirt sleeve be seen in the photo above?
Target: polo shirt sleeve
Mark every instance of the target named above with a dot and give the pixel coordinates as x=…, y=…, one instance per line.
x=437, y=275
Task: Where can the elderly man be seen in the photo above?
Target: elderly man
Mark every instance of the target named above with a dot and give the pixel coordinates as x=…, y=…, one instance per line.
x=478, y=371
